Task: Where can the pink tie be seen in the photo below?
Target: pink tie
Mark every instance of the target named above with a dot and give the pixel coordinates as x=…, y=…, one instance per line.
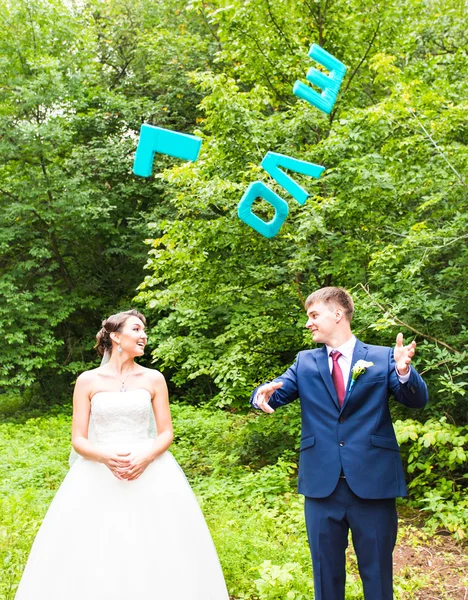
x=337, y=376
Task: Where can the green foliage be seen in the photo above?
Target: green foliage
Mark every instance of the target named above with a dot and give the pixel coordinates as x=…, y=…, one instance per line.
x=34, y=463
x=388, y=220
x=255, y=516
x=436, y=454
x=76, y=82
x=389, y=212
x=275, y=581
x=225, y=304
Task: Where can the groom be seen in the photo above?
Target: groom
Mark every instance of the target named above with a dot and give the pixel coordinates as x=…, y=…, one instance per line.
x=350, y=469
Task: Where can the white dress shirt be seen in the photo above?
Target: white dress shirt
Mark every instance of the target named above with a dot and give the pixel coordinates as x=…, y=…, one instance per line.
x=346, y=357
x=345, y=360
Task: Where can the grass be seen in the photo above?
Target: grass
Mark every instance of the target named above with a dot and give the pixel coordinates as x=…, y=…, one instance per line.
x=250, y=504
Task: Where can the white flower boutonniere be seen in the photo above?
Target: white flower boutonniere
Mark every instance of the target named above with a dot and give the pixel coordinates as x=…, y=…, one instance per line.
x=359, y=369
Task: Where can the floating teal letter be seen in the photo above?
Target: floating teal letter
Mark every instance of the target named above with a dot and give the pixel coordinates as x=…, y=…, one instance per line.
x=330, y=84
x=259, y=190
x=273, y=161
x=163, y=141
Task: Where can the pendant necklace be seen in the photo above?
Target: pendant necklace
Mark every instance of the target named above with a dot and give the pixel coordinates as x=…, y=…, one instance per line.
x=122, y=387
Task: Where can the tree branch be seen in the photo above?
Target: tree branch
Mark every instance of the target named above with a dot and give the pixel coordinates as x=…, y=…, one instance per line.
x=210, y=28
x=278, y=28
x=53, y=238
x=371, y=43
x=400, y=322
x=260, y=49
x=298, y=288
x=9, y=195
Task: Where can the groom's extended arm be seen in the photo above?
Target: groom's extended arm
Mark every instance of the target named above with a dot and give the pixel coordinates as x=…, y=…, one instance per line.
x=413, y=393
x=284, y=394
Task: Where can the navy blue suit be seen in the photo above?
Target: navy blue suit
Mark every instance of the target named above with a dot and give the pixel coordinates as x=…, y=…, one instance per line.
x=359, y=443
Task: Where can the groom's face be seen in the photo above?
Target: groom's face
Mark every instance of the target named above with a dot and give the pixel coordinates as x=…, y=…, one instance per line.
x=323, y=321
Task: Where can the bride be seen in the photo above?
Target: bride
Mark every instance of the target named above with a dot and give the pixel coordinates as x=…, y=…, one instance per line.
x=124, y=524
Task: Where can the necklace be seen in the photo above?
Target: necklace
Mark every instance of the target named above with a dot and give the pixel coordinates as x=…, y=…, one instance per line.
x=122, y=387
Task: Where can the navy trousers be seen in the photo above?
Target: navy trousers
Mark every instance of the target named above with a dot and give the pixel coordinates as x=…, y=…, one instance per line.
x=373, y=525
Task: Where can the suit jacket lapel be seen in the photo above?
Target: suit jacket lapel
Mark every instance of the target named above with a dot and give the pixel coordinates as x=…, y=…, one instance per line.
x=360, y=353
x=324, y=369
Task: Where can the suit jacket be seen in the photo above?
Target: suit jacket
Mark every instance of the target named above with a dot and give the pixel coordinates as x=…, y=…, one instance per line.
x=358, y=439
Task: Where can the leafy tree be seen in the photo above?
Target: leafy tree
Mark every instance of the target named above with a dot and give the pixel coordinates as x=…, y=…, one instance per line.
x=387, y=220
x=76, y=82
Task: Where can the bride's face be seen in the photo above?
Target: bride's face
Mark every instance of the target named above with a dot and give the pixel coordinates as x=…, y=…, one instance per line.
x=133, y=337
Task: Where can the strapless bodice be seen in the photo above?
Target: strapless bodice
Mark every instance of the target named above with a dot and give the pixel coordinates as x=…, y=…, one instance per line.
x=122, y=417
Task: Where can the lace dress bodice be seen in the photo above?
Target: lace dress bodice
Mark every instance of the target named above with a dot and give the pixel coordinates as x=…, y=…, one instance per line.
x=122, y=417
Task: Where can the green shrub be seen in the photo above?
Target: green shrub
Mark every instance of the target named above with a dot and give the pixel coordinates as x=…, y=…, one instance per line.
x=436, y=455
x=254, y=513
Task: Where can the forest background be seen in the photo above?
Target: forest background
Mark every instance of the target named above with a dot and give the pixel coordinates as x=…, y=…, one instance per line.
x=81, y=237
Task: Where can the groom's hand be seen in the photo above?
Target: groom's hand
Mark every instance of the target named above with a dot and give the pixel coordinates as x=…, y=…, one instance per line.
x=403, y=355
x=263, y=395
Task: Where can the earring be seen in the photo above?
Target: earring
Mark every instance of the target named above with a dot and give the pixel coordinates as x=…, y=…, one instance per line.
x=119, y=349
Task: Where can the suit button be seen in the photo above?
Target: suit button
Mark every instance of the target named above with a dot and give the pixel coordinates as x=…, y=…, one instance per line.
x=341, y=420
x=341, y=443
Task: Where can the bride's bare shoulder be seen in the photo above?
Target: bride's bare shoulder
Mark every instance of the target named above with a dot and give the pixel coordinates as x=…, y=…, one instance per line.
x=88, y=377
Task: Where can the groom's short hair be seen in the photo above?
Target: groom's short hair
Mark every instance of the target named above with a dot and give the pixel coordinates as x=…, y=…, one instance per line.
x=332, y=295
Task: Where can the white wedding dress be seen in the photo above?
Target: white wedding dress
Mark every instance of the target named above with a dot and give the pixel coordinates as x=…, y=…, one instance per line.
x=108, y=539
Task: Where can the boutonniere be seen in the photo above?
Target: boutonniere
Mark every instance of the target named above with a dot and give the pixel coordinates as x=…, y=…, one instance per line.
x=359, y=369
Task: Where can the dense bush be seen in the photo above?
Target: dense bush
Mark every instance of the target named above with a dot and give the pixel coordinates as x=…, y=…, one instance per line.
x=436, y=454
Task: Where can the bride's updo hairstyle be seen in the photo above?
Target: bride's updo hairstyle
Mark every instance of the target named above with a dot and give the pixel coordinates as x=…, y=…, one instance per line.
x=112, y=324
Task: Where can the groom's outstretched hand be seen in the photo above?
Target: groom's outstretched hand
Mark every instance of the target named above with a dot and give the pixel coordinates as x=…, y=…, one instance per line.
x=403, y=355
x=263, y=395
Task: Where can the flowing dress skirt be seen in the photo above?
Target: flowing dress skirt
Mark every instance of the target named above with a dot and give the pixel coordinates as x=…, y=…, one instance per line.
x=108, y=539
